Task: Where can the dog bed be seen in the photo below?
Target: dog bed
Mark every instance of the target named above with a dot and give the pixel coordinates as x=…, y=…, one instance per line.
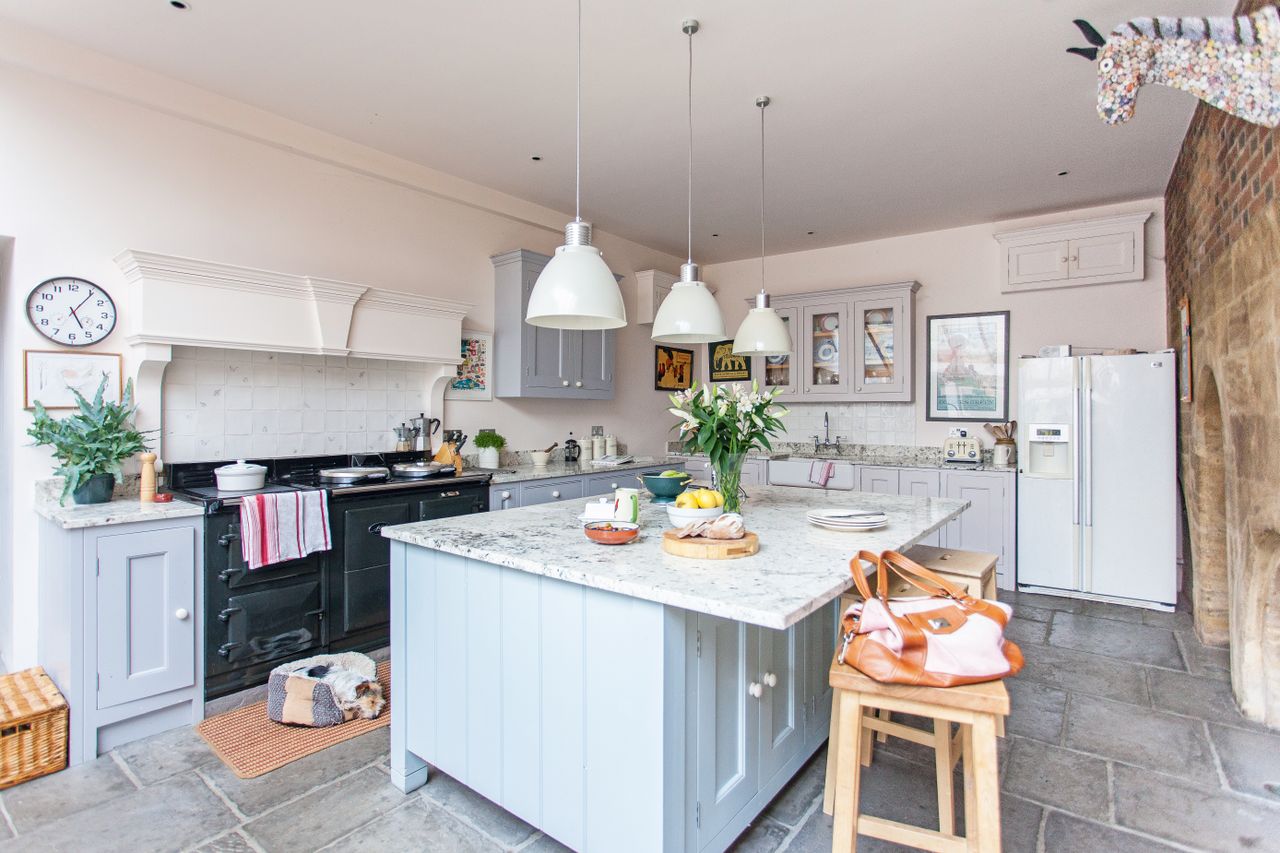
x=323, y=690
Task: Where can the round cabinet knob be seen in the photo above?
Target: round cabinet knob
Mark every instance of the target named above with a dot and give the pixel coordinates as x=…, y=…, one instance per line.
x=755, y=689
x=564, y=382
x=578, y=384
x=506, y=496
x=555, y=494
x=181, y=614
x=770, y=680
x=613, y=485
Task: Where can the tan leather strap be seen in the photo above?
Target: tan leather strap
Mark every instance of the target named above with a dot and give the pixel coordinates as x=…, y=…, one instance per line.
x=911, y=572
x=859, y=576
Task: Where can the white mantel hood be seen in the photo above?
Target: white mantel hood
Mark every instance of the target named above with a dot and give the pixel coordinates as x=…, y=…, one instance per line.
x=177, y=301
x=183, y=301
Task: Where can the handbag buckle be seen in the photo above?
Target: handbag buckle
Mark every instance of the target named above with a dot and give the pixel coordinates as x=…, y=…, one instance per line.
x=939, y=623
x=848, y=638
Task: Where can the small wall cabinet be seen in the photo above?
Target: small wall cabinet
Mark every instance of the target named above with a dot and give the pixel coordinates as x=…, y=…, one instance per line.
x=531, y=361
x=120, y=628
x=1093, y=251
x=852, y=345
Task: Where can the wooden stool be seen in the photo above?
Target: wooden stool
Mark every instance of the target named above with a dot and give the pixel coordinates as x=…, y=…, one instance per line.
x=975, y=707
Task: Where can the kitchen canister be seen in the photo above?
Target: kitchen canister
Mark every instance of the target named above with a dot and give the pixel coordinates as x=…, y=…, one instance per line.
x=626, y=505
x=1005, y=453
x=597, y=446
x=611, y=444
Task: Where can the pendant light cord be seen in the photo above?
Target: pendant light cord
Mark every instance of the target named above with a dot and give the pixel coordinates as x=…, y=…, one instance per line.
x=577, y=166
x=762, y=106
x=690, y=203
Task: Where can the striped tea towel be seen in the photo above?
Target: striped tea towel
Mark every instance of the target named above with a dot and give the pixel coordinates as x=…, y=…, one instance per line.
x=283, y=526
x=821, y=472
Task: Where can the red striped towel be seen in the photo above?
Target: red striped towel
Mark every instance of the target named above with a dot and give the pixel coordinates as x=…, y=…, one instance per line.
x=283, y=526
x=820, y=472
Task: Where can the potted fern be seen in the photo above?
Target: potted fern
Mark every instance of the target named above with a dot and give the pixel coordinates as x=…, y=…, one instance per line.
x=91, y=443
x=489, y=444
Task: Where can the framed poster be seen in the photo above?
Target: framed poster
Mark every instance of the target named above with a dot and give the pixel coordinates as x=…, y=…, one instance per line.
x=475, y=374
x=672, y=368
x=725, y=366
x=967, y=377
x=1184, y=350
x=49, y=376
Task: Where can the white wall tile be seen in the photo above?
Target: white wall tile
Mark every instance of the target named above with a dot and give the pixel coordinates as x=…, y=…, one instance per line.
x=239, y=398
x=180, y=398
x=266, y=398
x=290, y=420
x=291, y=399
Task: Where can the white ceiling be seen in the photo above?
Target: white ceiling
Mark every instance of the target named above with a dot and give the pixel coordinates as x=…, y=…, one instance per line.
x=887, y=117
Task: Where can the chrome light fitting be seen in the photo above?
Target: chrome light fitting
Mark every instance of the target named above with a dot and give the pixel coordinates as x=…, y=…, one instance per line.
x=689, y=314
x=576, y=289
x=763, y=332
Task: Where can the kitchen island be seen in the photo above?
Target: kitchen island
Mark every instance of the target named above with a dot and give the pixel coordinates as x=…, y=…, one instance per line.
x=620, y=698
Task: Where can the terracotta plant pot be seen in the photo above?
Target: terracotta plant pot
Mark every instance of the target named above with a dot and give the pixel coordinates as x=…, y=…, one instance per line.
x=96, y=490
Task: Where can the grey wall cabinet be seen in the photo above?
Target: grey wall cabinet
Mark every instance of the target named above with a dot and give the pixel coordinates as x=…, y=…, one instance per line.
x=120, y=628
x=530, y=492
x=530, y=361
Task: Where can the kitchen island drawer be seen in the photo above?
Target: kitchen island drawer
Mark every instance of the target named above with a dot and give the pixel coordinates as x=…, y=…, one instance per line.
x=555, y=490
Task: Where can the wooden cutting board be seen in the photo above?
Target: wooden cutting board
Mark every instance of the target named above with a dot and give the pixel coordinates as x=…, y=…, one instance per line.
x=700, y=548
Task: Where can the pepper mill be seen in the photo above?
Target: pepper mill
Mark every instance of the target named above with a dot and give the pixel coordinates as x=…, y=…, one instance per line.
x=147, y=486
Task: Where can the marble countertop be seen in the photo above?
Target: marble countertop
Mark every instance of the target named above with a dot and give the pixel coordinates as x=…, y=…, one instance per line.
x=557, y=469
x=118, y=511
x=858, y=457
x=799, y=567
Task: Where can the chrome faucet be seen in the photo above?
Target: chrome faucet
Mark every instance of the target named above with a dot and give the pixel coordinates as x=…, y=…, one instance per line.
x=819, y=442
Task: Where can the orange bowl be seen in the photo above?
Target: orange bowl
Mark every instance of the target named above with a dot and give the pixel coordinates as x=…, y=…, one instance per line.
x=611, y=532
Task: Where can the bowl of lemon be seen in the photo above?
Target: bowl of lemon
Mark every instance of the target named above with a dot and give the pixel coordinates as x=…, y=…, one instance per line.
x=666, y=486
x=696, y=505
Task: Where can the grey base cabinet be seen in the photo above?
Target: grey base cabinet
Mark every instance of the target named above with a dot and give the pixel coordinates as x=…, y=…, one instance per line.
x=531, y=492
x=120, y=628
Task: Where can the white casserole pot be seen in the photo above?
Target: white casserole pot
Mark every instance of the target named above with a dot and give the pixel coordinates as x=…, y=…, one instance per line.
x=240, y=477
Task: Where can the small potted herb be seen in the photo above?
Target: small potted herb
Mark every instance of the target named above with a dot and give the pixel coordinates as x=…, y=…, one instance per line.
x=489, y=443
x=90, y=443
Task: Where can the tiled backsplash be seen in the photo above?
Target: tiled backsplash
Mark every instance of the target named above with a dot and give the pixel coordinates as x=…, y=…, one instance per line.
x=854, y=423
x=233, y=404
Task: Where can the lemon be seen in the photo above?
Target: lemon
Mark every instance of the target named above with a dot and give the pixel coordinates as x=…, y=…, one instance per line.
x=708, y=499
x=686, y=500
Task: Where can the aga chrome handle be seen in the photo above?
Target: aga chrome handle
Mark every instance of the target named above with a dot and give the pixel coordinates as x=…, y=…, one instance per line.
x=564, y=382
x=225, y=649
x=770, y=680
x=555, y=494
x=578, y=384
x=181, y=614
x=756, y=689
x=376, y=528
x=225, y=616
x=226, y=539
x=449, y=494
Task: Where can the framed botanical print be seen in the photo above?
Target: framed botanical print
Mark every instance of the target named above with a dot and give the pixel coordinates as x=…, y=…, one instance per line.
x=672, y=368
x=967, y=378
x=725, y=366
x=50, y=375
x=1184, y=350
x=475, y=374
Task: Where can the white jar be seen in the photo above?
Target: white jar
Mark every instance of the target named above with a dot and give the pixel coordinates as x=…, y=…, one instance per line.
x=597, y=446
x=611, y=444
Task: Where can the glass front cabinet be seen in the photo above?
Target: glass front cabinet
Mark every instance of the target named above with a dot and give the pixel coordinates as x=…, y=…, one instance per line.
x=852, y=345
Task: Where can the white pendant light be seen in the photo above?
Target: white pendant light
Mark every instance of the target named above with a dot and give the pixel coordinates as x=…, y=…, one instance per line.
x=689, y=314
x=763, y=332
x=576, y=289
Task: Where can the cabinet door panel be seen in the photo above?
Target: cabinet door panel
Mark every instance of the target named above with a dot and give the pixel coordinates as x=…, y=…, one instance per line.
x=504, y=497
x=1038, y=262
x=1108, y=254
x=921, y=484
x=605, y=484
x=780, y=705
x=545, y=351
x=146, y=645
x=728, y=722
x=981, y=526
x=881, y=481
x=595, y=361
x=880, y=333
x=825, y=343
x=819, y=647
x=542, y=493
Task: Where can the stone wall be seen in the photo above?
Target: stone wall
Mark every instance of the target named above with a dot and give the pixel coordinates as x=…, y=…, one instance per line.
x=1223, y=254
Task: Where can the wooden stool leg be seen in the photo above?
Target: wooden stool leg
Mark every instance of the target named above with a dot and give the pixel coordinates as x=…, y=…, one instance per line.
x=999, y=726
x=886, y=715
x=868, y=740
x=833, y=749
x=943, y=764
x=844, y=837
x=970, y=795
x=986, y=776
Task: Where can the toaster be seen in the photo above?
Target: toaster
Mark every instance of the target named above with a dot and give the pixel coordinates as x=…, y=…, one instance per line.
x=961, y=451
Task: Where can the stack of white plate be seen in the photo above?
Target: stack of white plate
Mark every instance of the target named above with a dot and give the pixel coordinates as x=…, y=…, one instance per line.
x=846, y=519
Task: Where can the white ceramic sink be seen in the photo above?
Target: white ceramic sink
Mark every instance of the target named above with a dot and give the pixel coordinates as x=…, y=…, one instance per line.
x=795, y=472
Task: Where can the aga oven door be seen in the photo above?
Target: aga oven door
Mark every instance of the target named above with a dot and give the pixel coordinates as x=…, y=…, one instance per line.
x=360, y=573
x=259, y=628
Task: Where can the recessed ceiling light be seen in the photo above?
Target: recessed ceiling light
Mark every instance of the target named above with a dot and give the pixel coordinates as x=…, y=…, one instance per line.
x=535, y=158
x=1064, y=173
x=810, y=233
x=715, y=235
x=179, y=4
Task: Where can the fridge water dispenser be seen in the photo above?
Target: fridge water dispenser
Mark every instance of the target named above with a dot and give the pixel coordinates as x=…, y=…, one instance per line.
x=1050, y=450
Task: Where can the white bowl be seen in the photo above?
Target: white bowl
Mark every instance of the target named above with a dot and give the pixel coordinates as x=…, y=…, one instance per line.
x=240, y=477
x=681, y=517
x=539, y=458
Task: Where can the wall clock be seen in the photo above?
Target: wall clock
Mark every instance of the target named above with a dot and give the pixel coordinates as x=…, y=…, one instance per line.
x=71, y=311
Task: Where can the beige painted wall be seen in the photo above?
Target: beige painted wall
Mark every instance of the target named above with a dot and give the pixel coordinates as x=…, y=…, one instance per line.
x=166, y=168
x=959, y=271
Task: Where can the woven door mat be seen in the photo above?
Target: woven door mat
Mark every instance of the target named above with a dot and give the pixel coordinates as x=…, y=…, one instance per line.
x=251, y=744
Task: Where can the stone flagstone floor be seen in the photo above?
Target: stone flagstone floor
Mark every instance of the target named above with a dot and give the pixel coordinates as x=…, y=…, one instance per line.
x=1123, y=737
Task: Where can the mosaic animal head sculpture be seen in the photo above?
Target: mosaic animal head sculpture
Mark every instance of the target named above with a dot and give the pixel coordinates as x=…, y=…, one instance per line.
x=1229, y=63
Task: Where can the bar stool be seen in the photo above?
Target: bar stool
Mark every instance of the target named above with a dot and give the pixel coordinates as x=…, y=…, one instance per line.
x=975, y=707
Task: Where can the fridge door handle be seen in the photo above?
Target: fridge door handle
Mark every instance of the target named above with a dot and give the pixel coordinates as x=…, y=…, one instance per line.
x=1075, y=454
x=1088, y=447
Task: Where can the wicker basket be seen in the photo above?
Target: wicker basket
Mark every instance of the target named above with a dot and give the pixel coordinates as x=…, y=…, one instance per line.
x=33, y=727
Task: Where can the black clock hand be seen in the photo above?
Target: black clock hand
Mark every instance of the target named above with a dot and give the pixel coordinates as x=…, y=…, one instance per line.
x=78, y=307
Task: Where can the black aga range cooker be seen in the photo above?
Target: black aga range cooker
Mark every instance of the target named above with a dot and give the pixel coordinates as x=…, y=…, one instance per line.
x=336, y=600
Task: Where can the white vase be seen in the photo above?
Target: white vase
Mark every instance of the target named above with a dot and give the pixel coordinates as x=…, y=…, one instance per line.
x=488, y=457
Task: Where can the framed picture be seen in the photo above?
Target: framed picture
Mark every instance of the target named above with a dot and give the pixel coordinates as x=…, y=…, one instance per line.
x=49, y=376
x=968, y=371
x=725, y=366
x=1184, y=350
x=475, y=375
x=672, y=368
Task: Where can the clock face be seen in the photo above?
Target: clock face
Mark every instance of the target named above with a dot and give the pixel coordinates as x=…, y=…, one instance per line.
x=71, y=311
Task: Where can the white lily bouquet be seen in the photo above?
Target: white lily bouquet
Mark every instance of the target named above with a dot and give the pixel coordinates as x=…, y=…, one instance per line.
x=726, y=422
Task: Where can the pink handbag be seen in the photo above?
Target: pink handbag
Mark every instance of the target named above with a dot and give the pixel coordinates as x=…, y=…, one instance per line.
x=942, y=639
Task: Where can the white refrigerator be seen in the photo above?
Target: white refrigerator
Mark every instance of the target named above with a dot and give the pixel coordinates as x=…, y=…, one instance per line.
x=1097, y=490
